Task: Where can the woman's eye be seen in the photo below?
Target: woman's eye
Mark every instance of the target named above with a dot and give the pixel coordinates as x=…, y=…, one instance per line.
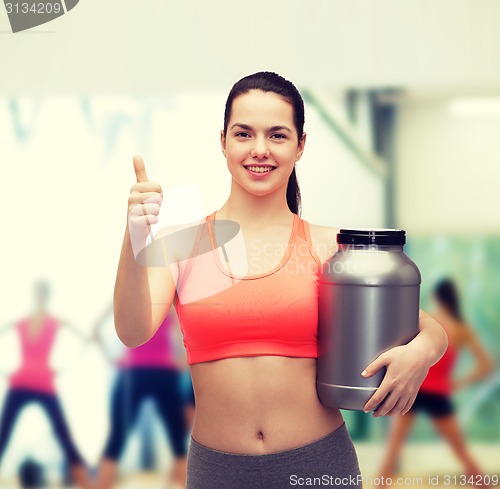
x=279, y=136
x=241, y=134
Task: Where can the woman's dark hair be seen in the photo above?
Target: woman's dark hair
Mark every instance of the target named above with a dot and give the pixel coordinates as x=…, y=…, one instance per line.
x=267, y=81
x=446, y=293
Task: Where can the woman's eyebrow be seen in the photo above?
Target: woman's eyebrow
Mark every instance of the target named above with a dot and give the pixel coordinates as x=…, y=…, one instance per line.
x=243, y=126
x=271, y=129
x=279, y=128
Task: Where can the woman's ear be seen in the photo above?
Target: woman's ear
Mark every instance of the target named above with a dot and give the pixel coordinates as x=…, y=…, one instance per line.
x=223, y=142
x=300, y=148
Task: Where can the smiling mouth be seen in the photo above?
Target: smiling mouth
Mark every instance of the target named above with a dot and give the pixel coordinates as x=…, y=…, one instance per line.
x=260, y=169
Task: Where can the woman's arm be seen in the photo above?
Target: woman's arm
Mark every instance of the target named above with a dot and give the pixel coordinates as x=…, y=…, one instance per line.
x=142, y=295
x=6, y=327
x=100, y=320
x=74, y=329
x=484, y=362
x=407, y=366
x=432, y=338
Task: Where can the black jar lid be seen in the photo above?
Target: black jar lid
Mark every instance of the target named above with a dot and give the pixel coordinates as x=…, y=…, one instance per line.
x=372, y=236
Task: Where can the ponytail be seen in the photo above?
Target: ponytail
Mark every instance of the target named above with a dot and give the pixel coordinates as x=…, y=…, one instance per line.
x=293, y=194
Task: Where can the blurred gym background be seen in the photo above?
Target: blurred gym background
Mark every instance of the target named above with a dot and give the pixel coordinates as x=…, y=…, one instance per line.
x=402, y=121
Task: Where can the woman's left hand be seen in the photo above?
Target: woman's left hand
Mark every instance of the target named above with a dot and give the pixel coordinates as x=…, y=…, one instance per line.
x=407, y=367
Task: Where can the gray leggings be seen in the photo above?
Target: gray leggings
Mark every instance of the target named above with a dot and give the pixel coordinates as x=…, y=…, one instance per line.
x=330, y=461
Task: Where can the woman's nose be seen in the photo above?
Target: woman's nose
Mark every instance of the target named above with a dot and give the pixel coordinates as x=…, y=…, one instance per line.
x=260, y=148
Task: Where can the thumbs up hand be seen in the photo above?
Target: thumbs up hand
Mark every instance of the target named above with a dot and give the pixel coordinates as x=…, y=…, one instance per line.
x=143, y=206
x=140, y=169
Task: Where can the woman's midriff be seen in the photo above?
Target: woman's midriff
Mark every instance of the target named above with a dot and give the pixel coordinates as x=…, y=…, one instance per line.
x=261, y=404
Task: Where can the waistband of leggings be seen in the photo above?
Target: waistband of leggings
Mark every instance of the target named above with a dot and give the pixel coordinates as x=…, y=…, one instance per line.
x=332, y=441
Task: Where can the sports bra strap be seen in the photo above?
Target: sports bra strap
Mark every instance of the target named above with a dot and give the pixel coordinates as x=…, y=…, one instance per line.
x=202, y=231
x=304, y=227
x=300, y=231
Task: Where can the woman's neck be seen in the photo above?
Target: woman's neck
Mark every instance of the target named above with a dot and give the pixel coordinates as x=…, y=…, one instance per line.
x=38, y=312
x=255, y=211
x=444, y=316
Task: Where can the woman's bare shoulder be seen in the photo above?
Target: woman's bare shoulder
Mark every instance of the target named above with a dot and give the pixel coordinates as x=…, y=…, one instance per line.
x=465, y=332
x=324, y=240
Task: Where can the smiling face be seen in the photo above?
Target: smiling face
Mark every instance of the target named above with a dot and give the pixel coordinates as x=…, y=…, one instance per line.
x=261, y=145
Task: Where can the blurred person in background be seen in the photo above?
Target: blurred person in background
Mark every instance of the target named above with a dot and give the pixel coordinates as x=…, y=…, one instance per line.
x=153, y=370
x=33, y=381
x=434, y=396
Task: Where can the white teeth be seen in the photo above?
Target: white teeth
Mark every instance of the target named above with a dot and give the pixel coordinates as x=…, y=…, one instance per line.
x=258, y=169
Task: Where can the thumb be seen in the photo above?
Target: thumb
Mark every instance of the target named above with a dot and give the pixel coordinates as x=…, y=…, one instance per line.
x=375, y=366
x=140, y=169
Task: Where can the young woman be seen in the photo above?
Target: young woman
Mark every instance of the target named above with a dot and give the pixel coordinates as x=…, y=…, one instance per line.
x=434, y=396
x=33, y=382
x=251, y=337
x=154, y=371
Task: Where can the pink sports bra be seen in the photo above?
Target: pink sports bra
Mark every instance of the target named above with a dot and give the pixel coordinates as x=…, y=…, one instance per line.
x=224, y=315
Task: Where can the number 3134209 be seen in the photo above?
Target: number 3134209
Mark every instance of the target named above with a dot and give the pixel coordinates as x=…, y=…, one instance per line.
x=34, y=8
x=478, y=480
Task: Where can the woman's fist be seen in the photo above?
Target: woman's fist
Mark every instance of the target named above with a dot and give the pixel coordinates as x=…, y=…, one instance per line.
x=143, y=206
